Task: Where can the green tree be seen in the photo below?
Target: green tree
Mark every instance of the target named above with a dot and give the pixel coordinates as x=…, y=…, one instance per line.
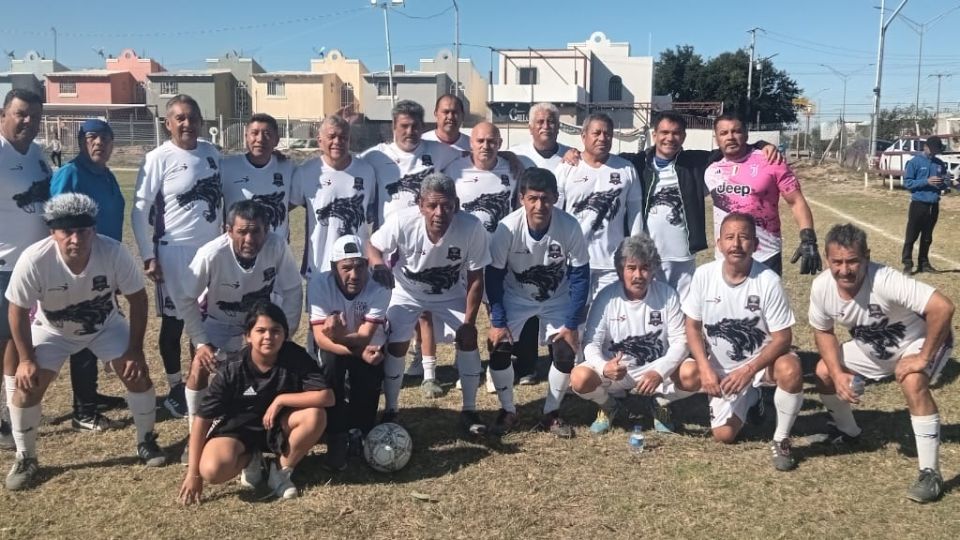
x=677, y=73
x=898, y=121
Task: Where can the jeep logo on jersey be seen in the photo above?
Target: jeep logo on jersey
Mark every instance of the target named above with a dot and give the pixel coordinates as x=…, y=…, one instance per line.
x=453, y=254
x=44, y=168
x=212, y=163
x=753, y=303
x=656, y=319
x=875, y=310
x=554, y=251
x=426, y=160
x=100, y=283
x=505, y=180
x=278, y=179
x=270, y=273
x=736, y=189
x=615, y=179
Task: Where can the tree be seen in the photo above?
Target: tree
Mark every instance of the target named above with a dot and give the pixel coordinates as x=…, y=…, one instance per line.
x=683, y=74
x=898, y=121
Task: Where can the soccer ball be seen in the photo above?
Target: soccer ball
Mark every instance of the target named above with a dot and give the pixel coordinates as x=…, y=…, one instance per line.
x=387, y=447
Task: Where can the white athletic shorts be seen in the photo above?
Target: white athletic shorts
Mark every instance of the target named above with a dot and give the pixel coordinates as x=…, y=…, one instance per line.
x=600, y=279
x=551, y=313
x=227, y=337
x=174, y=262
x=632, y=378
x=678, y=274
x=108, y=344
x=404, y=312
x=723, y=407
x=854, y=359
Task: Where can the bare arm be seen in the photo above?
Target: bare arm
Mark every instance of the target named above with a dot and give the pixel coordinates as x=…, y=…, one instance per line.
x=938, y=313
x=709, y=381
x=800, y=209
x=474, y=295
x=138, y=319
x=327, y=344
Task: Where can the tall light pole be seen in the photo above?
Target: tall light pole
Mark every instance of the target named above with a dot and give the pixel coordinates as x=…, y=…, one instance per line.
x=876, y=87
x=385, y=5
x=456, y=46
x=843, y=104
x=753, y=49
x=939, y=77
x=54, y=30
x=760, y=83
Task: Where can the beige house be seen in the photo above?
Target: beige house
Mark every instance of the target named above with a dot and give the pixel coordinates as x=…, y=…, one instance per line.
x=473, y=86
x=350, y=71
x=297, y=95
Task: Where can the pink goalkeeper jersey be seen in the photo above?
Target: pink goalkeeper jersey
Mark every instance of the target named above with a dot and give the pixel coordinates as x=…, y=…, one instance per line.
x=751, y=186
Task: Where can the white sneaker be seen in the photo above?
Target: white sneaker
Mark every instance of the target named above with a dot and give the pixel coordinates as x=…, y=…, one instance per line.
x=252, y=474
x=459, y=385
x=278, y=480
x=491, y=388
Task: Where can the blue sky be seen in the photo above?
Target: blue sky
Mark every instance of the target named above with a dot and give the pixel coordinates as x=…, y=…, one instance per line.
x=282, y=35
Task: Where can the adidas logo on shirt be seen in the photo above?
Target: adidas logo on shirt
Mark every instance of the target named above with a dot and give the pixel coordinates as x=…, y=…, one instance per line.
x=249, y=392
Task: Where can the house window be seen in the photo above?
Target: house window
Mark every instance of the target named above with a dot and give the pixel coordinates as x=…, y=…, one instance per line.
x=140, y=92
x=241, y=102
x=528, y=75
x=346, y=95
x=383, y=88
x=169, y=88
x=68, y=87
x=615, y=89
x=276, y=88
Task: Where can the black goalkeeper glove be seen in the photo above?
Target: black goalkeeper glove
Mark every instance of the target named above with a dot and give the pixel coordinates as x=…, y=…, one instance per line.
x=808, y=252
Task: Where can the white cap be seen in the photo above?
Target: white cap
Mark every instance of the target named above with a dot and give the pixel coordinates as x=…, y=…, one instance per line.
x=347, y=247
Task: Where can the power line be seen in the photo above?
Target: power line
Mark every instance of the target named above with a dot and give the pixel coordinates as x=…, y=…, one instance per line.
x=426, y=17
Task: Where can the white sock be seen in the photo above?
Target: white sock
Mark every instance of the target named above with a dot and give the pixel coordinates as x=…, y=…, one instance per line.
x=143, y=407
x=470, y=369
x=25, y=422
x=174, y=379
x=926, y=430
x=429, y=367
x=392, y=381
x=503, y=382
x=10, y=385
x=557, y=384
x=842, y=414
x=194, y=399
x=788, y=407
x=598, y=395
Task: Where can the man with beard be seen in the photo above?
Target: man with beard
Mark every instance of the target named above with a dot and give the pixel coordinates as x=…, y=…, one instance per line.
x=899, y=326
x=177, y=208
x=261, y=174
x=449, y=114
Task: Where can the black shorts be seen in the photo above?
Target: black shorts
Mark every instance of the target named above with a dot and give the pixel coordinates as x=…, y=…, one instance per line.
x=253, y=438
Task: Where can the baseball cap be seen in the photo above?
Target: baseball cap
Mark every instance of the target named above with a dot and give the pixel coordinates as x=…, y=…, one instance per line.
x=934, y=144
x=347, y=247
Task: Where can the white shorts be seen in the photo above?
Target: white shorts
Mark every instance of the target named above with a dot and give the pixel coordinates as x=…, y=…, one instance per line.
x=227, y=337
x=108, y=344
x=404, y=312
x=175, y=263
x=632, y=378
x=722, y=408
x=600, y=279
x=853, y=358
x=678, y=274
x=551, y=313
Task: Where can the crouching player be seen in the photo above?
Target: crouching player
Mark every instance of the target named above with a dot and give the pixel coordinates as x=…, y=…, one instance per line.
x=899, y=326
x=635, y=339
x=740, y=307
x=72, y=276
x=271, y=399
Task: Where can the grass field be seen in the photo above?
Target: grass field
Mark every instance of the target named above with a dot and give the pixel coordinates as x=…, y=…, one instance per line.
x=529, y=484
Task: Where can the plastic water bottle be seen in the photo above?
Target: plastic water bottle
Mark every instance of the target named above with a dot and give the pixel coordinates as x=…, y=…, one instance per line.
x=636, y=441
x=858, y=384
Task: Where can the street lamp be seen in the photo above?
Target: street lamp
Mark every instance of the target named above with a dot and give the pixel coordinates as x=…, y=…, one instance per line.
x=456, y=46
x=876, y=87
x=760, y=83
x=385, y=4
x=843, y=104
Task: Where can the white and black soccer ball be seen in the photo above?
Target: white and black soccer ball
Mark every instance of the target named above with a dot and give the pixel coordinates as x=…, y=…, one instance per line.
x=387, y=447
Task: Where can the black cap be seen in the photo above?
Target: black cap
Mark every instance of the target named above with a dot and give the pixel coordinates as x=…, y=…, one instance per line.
x=934, y=144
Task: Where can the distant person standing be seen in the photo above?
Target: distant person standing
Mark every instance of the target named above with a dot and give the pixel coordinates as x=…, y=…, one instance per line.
x=925, y=176
x=89, y=174
x=56, y=151
x=449, y=113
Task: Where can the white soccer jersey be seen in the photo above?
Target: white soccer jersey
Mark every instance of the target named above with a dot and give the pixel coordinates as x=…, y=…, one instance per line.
x=268, y=185
x=488, y=195
x=605, y=200
x=648, y=331
x=74, y=306
x=884, y=318
x=433, y=272
x=537, y=269
x=529, y=156
x=462, y=143
x=24, y=188
x=399, y=173
x=232, y=290
x=337, y=203
x=325, y=299
x=665, y=220
x=737, y=320
x=179, y=194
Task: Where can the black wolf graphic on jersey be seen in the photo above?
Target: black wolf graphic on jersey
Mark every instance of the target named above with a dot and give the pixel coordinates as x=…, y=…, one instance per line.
x=90, y=314
x=31, y=201
x=348, y=209
x=880, y=335
x=644, y=349
x=205, y=190
x=670, y=198
x=247, y=300
x=497, y=205
x=409, y=183
x=438, y=278
x=743, y=334
x=605, y=204
x=276, y=210
x=546, y=278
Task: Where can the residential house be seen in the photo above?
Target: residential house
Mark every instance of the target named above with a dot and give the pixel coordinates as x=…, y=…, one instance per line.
x=35, y=63
x=27, y=81
x=351, y=72
x=473, y=86
x=138, y=68
x=213, y=89
x=296, y=95
x=423, y=87
x=242, y=69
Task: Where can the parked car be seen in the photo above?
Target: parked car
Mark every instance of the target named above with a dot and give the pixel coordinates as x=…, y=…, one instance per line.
x=893, y=160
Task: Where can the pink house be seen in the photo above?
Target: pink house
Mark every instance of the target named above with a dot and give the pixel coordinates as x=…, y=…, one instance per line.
x=138, y=67
x=91, y=87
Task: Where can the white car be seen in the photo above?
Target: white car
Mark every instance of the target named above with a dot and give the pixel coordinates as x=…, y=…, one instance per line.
x=893, y=160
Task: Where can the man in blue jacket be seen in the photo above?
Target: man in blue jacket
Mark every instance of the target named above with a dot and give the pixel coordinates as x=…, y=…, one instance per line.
x=88, y=174
x=925, y=176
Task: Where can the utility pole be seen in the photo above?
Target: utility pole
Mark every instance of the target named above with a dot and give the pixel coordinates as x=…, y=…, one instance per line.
x=939, y=77
x=876, y=87
x=456, y=44
x=385, y=5
x=843, y=106
x=54, y=30
x=753, y=50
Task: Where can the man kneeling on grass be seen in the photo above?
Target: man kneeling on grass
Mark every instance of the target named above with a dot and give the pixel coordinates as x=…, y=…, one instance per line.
x=271, y=399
